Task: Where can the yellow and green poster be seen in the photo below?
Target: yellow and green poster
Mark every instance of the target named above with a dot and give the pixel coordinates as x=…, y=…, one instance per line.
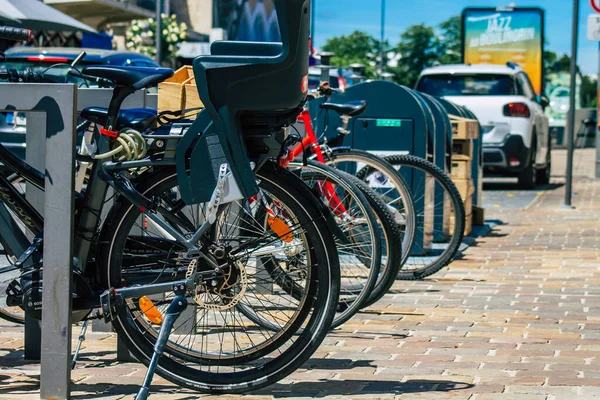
x=497, y=36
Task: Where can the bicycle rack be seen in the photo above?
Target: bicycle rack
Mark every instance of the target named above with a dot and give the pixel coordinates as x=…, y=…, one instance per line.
x=396, y=121
x=51, y=130
x=51, y=111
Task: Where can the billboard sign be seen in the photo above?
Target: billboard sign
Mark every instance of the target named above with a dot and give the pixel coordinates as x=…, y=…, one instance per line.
x=497, y=36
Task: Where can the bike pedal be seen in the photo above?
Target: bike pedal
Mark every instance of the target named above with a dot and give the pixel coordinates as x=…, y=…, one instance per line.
x=35, y=246
x=14, y=294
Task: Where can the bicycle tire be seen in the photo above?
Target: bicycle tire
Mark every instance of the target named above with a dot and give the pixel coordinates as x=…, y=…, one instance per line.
x=14, y=317
x=400, y=201
x=392, y=239
x=315, y=171
x=455, y=201
x=325, y=284
x=353, y=294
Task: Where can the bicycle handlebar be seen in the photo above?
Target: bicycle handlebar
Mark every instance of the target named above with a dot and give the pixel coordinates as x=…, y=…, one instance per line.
x=29, y=76
x=100, y=81
x=12, y=75
x=11, y=33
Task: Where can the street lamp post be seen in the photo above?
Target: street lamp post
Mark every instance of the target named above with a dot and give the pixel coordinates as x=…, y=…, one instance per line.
x=381, y=44
x=571, y=117
x=158, y=31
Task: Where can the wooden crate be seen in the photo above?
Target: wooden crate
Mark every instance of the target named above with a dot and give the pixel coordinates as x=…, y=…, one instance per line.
x=179, y=92
x=461, y=167
x=465, y=187
x=463, y=147
x=463, y=128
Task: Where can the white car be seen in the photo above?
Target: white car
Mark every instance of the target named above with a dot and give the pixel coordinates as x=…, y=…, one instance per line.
x=516, y=139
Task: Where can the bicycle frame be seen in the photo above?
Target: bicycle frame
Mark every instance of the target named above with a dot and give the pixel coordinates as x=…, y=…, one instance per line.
x=311, y=142
x=102, y=175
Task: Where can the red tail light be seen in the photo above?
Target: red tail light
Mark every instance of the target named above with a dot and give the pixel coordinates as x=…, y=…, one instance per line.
x=517, y=110
x=42, y=57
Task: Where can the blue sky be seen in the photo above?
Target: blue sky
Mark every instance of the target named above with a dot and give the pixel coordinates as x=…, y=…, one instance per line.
x=339, y=17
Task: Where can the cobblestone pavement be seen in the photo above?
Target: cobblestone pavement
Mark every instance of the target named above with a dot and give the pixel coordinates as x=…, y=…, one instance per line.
x=517, y=317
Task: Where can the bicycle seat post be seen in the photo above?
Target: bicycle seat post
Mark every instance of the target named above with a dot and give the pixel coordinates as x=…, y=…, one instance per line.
x=344, y=128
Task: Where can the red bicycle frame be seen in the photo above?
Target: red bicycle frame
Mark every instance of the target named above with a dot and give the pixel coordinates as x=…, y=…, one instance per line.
x=311, y=142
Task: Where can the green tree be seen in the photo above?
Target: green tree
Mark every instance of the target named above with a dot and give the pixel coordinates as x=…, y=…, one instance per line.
x=417, y=50
x=563, y=64
x=550, y=59
x=449, y=41
x=358, y=47
x=589, y=91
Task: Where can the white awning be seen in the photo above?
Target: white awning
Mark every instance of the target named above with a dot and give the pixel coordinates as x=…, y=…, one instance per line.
x=193, y=49
x=100, y=11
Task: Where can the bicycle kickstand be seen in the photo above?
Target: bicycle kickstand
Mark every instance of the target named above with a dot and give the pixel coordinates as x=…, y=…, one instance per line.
x=81, y=339
x=177, y=306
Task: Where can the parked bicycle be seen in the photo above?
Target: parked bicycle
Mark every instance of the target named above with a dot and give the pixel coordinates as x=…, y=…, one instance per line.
x=168, y=241
x=429, y=211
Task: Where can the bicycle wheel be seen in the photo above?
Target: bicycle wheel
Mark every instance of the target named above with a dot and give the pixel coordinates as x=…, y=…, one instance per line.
x=391, y=240
x=355, y=229
x=388, y=185
x=440, y=216
x=217, y=348
x=381, y=176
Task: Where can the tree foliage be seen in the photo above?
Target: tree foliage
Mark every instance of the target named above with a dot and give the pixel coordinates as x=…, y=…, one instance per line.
x=141, y=36
x=416, y=50
x=449, y=41
x=420, y=47
x=358, y=47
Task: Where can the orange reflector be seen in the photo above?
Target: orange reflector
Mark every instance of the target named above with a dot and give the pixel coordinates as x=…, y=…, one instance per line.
x=150, y=310
x=281, y=229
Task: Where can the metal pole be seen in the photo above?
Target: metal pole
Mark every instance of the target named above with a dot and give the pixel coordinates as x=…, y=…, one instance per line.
x=571, y=120
x=59, y=213
x=158, y=34
x=598, y=120
x=381, y=44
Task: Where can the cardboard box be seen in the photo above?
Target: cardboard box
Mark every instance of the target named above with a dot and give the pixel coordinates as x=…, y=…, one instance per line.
x=465, y=187
x=468, y=205
x=478, y=215
x=463, y=147
x=479, y=197
x=463, y=128
x=461, y=167
x=468, y=224
x=179, y=92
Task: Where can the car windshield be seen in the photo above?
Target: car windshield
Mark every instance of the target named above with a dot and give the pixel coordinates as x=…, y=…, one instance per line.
x=467, y=85
x=42, y=67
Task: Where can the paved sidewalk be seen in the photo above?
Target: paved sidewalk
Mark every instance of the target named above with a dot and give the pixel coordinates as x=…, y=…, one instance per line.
x=518, y=317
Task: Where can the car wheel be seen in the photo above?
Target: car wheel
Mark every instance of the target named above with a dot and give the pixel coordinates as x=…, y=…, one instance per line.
x=527, y=178
x=543, y=175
